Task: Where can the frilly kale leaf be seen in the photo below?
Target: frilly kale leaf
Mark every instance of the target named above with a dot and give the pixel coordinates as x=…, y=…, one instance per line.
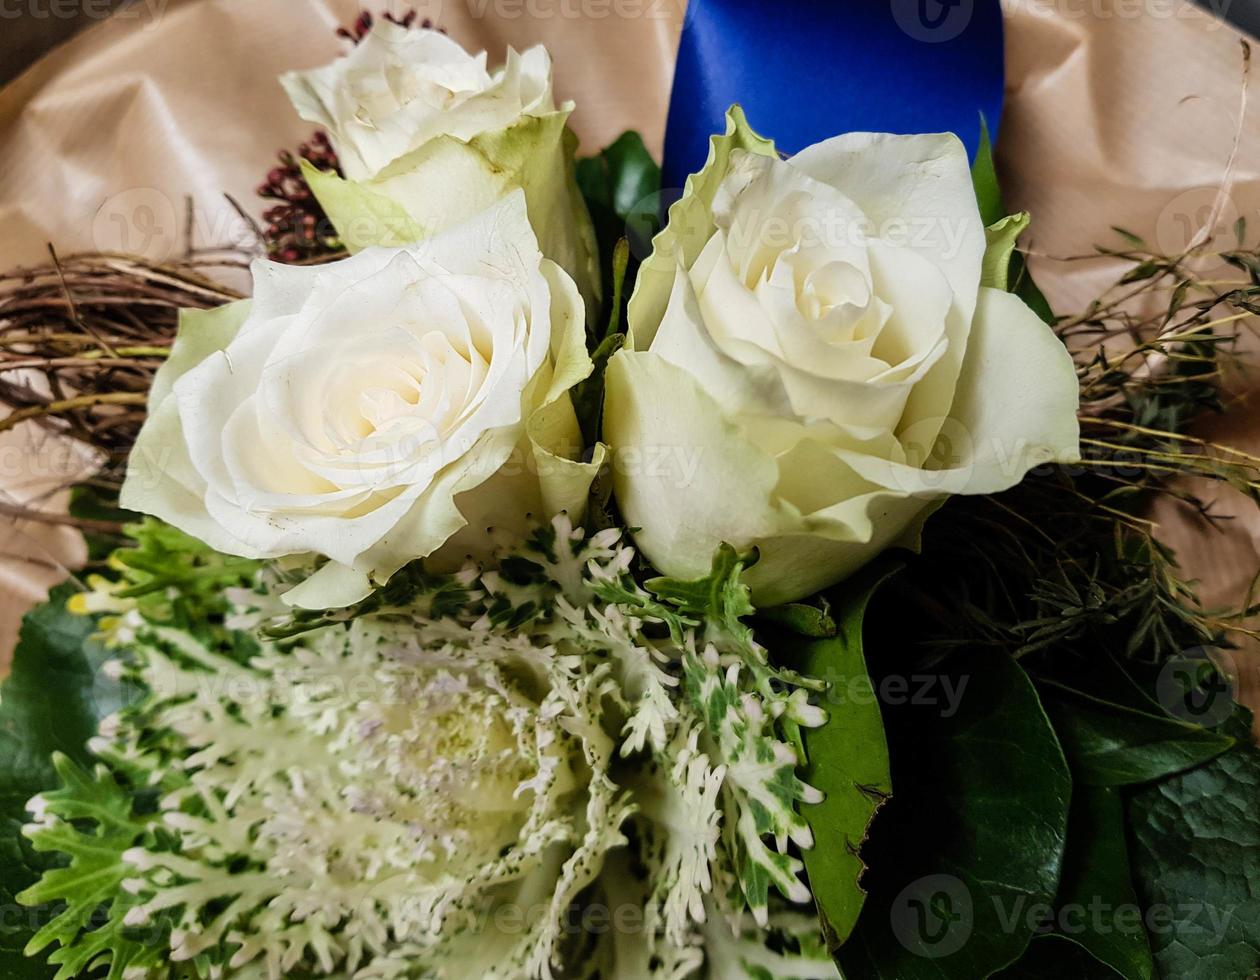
x=380, y=796
x=91, y=818
x=166, y=577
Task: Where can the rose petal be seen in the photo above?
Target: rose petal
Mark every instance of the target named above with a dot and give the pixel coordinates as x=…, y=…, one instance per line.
x=682, y=473
x=918, y=191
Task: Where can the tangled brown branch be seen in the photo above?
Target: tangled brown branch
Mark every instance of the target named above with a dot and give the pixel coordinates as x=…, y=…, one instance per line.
x=82, y=337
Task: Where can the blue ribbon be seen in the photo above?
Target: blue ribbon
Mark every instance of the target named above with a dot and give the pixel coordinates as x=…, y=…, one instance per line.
x=807, y=70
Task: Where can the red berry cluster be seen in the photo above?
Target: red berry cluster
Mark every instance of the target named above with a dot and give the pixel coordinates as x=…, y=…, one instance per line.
x=297, y=229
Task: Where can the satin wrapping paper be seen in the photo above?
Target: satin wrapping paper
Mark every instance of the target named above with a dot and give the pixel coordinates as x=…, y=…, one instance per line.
x=1118, y=113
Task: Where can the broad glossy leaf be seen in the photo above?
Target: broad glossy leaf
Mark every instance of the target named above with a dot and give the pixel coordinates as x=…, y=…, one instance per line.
x=48, y=704
x=621, y=177
x=1196, y=859
x=1115, y=745
x=1097, y=907
x=621, y=186
x=1056, y=958
x=973, y=840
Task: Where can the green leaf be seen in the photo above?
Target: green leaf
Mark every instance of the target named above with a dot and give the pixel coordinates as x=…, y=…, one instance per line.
x=973, y=840
x=1196, y=859
x=989, y=197
x=621, y=186
x=1097, y=907
x=47, y=705
x=19, y=865
x=92, y=822
x=847, y=760
x=1142, y=272
x=803, y=619
x=1114, y=745
x=1027, y=290
x=177, y=580
x=1054, y=957
x=722, y=603
x=588, y=394
x=621, y=177
x=1135, y=240
x=984, y=178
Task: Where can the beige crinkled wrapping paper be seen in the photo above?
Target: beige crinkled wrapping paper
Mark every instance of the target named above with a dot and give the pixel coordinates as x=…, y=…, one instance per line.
x=1119, y=113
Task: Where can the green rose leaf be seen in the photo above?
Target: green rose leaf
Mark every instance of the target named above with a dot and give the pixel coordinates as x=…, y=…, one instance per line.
x=985, y=179
x=1114, y=745
x=973, y=841
x=1097, y=906
x=620, y=186
x=1196, y=858
x=1014, y=277
x=621, y=177
x=1053, y=957
x=19, y=866
x=588, y=395
x=847, y=760
x=49, y=704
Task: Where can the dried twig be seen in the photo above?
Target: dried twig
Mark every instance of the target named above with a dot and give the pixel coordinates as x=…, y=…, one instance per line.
x=81, y=338
x=85, y=524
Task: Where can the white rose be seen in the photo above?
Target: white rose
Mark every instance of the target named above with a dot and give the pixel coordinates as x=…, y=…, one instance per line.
x=427, y=137
x=374, y=410
x=814, y=363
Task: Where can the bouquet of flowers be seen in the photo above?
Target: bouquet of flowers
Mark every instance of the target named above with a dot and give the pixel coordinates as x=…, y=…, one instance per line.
x=764, y=593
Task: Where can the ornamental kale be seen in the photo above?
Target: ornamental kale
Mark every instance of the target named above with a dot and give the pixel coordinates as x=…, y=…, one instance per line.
x=540, y=771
